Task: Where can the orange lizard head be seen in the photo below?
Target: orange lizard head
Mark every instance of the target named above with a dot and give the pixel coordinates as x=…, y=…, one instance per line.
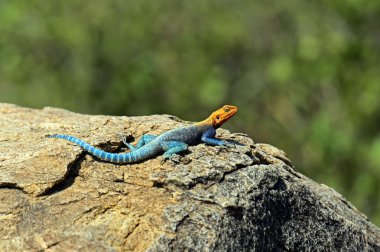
x=220, y=116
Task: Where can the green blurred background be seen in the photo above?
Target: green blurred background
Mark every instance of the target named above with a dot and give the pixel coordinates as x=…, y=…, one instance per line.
x=305, y=74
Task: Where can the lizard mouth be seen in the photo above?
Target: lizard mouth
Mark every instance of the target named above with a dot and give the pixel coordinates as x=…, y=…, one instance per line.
x=229, y=111
x=223, y=114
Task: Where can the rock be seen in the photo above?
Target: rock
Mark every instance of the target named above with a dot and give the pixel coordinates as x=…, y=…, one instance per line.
x=56, y=197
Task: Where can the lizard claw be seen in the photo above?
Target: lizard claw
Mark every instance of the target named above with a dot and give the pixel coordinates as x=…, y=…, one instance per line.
x=174, y=159
x=163, y=160
x=125, y=137
x=227, y=144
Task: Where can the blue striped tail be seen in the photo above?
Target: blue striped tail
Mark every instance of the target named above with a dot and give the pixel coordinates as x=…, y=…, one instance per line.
x=103, y=155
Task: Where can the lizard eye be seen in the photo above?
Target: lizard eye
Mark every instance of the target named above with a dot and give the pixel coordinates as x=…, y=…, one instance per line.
x=227, y=110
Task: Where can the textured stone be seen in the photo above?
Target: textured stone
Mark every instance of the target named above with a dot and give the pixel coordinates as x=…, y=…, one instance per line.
x=55, y=197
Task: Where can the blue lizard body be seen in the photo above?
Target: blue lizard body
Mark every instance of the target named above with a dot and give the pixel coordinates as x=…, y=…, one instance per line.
x=169, y=143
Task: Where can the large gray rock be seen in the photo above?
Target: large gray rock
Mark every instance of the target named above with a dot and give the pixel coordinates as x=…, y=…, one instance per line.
x=55, y=197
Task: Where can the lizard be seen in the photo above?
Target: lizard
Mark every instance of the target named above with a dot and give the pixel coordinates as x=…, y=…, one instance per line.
x=170, y=142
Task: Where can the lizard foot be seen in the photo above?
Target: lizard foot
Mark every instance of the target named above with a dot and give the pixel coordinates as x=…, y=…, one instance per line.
x=163, y=160
x=125, y=138
x=226, y=145
x=173, y=159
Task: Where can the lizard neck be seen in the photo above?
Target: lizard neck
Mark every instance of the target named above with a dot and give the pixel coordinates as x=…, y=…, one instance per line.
x=205, y=123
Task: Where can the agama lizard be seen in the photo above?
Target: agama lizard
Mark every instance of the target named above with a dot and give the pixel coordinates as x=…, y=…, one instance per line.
x=170, y=142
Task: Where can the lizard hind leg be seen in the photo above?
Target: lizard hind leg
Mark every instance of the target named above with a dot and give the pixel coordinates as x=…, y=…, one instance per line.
x=143, y=140
x=173, y=147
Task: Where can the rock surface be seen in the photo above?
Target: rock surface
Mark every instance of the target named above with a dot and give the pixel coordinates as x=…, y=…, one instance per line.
x=55, y=197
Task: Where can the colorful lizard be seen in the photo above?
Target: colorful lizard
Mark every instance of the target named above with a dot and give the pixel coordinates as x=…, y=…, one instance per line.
x=169, y=143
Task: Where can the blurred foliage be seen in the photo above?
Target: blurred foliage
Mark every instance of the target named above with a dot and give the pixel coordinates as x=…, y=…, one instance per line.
x=305, y=74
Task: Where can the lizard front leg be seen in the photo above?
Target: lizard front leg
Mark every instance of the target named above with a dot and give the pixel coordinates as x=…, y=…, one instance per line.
x=209, y=138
